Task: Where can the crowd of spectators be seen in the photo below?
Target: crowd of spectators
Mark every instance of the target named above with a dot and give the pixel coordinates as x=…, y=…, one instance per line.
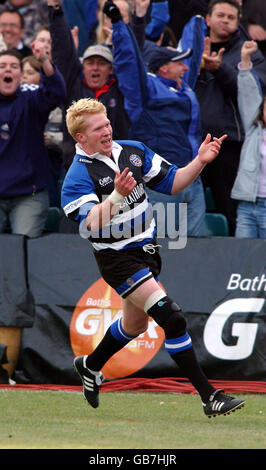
x=167, y=98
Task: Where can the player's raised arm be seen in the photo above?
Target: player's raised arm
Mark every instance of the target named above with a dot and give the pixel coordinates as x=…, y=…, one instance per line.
x=208, y=151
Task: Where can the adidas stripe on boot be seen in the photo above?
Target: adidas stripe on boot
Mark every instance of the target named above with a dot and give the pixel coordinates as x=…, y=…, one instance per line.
x=221, y=404
x=91, y=381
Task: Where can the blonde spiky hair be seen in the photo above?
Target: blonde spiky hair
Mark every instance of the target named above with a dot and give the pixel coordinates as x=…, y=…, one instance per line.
x=78, y=111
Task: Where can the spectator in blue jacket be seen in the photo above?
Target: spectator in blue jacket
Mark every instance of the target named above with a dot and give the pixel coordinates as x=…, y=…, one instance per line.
x=24, y=167
x=164, y=112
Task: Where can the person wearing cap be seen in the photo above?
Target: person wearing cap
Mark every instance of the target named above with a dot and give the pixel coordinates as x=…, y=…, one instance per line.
x=163, y=110
x=168, y=61
x=91, y=77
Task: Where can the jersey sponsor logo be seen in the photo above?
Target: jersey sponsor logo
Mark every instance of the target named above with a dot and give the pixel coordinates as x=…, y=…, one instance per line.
x=134, y=196
x=105, y=181
x=135, y=160
x=98, y=307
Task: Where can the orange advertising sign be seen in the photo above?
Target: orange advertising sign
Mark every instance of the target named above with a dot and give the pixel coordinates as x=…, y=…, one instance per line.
x=98, y=307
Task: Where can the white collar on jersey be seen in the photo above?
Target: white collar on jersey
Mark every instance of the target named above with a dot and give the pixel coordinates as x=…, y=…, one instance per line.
x=116, y=150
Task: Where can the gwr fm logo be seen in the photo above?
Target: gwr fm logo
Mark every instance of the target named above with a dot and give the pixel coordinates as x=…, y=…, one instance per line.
x=99, y=306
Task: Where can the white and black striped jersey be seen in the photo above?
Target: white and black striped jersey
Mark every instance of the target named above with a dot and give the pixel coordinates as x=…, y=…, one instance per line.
x=91, y=178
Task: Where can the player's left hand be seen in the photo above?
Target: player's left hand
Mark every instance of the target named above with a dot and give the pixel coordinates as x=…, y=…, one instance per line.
x=209, y=149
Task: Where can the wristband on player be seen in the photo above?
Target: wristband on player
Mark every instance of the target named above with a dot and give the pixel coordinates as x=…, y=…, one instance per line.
x=115, y=197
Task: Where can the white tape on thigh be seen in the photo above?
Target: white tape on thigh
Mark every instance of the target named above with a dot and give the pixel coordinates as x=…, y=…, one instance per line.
x=153, y=298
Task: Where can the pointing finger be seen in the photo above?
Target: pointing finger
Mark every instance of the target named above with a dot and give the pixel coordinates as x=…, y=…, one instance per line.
x=223, y=137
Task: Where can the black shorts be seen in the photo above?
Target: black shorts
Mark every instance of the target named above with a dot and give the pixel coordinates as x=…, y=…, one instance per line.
x=126, y=270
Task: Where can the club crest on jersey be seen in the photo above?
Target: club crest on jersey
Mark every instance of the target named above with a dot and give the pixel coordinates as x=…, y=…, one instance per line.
x=135, y=160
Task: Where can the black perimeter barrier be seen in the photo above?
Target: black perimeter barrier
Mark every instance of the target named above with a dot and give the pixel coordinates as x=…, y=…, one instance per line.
x=49, y=288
